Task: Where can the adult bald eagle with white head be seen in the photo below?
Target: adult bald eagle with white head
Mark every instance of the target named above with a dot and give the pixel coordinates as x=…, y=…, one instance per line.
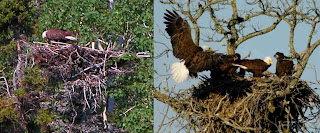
x=194, y=58
x=58, y=35
x=255, y=66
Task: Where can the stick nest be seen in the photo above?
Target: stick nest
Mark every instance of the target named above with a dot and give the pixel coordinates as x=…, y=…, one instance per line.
x=83, y=76
x=246, y=105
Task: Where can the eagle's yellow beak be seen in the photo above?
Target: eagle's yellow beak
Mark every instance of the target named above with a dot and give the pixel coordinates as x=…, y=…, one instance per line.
x=271, y=62
x=210, y=49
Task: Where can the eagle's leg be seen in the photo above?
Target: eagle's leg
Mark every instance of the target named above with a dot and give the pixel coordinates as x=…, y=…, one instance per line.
x=193, y=75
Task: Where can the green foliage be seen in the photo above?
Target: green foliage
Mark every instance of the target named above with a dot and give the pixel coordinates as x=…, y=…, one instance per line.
x=137, y=88
x=44, y=117
x=130, y=17
x=86, y=17
x=8, y=55
x=92, y=19
x=33, y=80
x=7, y=111
x=16, y=17
x=134, y=89
x=19, y=92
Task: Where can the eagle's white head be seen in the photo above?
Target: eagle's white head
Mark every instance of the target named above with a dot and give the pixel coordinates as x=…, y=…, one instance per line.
x=44, y=35
x=206, y=48
x=268, y=60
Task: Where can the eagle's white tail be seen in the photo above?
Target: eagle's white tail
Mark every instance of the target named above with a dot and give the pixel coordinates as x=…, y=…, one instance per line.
x=71, y=38
x=241, y=66
x=179, y=72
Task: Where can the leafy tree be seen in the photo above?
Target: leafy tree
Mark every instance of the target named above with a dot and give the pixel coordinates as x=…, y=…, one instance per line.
x=17, y=17
x=130, y=24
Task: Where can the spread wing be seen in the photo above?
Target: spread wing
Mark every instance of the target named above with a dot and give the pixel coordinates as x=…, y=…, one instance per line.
x=202, y=61
x=180, y=35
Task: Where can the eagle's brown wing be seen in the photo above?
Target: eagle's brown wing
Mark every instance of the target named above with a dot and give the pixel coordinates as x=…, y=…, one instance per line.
x=55, y=34
x=180, y=34
x=284, y=67
x=256, y=66
x=67, y=33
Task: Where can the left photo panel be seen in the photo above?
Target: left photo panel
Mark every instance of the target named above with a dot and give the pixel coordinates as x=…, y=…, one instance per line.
x=76, y=66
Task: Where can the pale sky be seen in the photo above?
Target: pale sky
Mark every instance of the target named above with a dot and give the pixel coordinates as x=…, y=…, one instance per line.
x=265, y=45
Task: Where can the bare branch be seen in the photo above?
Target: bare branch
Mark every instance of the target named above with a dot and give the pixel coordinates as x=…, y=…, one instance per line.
x=254, y=34
x=5, y=81
x=247, y=56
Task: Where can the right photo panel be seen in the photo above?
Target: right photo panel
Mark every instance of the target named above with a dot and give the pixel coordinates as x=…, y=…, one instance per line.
x=236, y=66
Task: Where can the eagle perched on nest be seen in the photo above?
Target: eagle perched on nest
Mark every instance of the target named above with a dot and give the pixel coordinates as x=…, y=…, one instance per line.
x=256, y=66
x=194, y=58
x=284, y=65
x=58, y=35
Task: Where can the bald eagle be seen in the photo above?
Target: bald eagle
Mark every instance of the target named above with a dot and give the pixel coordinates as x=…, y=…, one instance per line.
x=194, y=58
x=58, y=35
x=225, y=69
x=256, y=66
x=233, y=69
x=284, y=65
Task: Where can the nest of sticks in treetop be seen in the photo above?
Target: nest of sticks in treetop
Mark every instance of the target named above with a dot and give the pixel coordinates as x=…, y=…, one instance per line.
x=246, y=105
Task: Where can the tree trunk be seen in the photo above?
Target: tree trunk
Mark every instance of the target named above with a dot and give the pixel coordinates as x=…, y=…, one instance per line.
x=231, y=49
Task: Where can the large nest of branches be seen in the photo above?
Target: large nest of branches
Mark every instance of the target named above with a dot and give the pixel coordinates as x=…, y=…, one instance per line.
x=83, y=76
x=246, y=105
x=70, y=62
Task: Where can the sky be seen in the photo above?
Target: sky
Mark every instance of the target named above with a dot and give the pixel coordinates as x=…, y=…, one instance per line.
x=261, y=46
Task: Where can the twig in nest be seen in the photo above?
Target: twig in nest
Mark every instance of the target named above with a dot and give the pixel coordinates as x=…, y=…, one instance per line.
x=53, y=42
x=116, y=54
x=115, y=70
x=86, y=69
x=143, y=54
x=85, y=96
x=41, y=43
x=125, y=113
x=61, y=43
x=73, y=109
x=219, y=104
x=102, y=41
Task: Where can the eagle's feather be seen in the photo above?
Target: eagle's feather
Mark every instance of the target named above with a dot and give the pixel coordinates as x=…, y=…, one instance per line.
x=195, y=59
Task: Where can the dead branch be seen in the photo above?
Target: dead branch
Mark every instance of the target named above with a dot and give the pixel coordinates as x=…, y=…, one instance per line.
x=95, y=66
x=247, y=56
x=125, y=113
x=5, y=81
